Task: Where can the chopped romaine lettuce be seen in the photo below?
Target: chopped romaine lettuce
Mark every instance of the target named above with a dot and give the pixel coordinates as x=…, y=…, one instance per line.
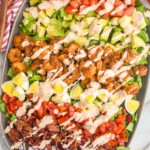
x=11, y=73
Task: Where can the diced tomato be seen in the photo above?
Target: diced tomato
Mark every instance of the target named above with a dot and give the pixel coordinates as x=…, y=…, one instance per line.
x=69, y=9
x=124, y=111
x=132, y=2
x=66, y=104
x=119, y=14
x=121, y=142
x=19, y=103
x=84, y=121
x=82, y=7
x=112, y=143
x=30, y=96
x=86, y=2
x=79, y=125
x=40, y=112
x=5, y=98
x=118, y=3
x=123, y=133
x=120, y=119
x=79, y=110
x=148, y=1
x=93, y=2
x=74, y=4
x=102, y=128
x=13, y=106
x=51, y=105
x=45, y=106
x=86, y=133
x=129, y=11
x=8, y=109
x=63, y=119
x=120, y=128
x=71, y=111
x=62, y=108
x=107, y=15
x=112, y=125
x=12, y=99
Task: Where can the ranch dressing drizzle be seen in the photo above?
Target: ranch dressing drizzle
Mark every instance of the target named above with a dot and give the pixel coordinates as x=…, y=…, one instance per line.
x=119, y=8
x=16, y=145
x=38, y=52
x=8, y=128
x=91, y=8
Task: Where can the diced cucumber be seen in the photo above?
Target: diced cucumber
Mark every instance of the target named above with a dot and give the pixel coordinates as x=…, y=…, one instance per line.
x=56, y=22
x=41, y=31
x=33, y=2
x=91, y=14
x=88, y=21
x=137, y=42
x=42, y=14
x=30, y=26
x=124, y=21
x=81, y=40
x=28, y=16
x=115, y=21
x=54, y=31
x=50, y=12
x=106, y=33
x=103, y=22
x=117, y=36
x=110, y=46
x=25, y=21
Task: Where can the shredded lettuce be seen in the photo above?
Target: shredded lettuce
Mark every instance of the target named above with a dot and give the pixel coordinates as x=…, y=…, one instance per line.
x=11, y=73
x=2, y=105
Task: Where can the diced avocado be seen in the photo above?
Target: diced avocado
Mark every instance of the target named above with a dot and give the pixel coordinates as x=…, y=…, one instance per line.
x=66, y=24
x=77, y=17
x=106, y=33
x=53, y=30
x=30, y=26
x=45, y=21
x=110, y=46
x=28, y=16
x=88, y=21
x=33, y=2
x=102, y=22
x=25, y=21
x=68, y=17
x=56, y=22
x=91, y=14
x=124, y=21
x=137, y=41
x=84, y=32
x=94, y=37
x=117, y=36
x=42, y=14
x=94, y=42
x=50, y=12
x=41, y=31
x=81, y=40
x=115, y=21
x=76, y=91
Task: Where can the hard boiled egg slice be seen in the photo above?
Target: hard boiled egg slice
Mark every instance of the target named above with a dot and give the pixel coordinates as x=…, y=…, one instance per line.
x=21, y=80
x=33, y=87
x=76, y=91
x=8, y=87
x=103, y=95
x=61, y=98
x=88, y=95
x=19, y=92
x=59, y=86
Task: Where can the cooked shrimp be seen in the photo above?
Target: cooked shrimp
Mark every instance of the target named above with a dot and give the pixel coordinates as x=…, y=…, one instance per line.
x=63, y=57
x=132, y=89
x=38, y=43
x=72, y=48
x=14, y=55
x=35, y=65
x=28, y=51
x=47, y=65
x=88, y=71
x=131, y=54
x=19, y=39
x=85, y=81
x=140, y=70
x=99, y=65
x=54, y=61
x=19, y=67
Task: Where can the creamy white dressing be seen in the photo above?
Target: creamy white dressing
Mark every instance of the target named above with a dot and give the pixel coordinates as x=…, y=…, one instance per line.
x=91, y=8
x=43, y=144
x=80, y=55
x=46, y=120
x=45, y=5
x=25, y=43
x=22, y=110
x=16, y=145
x=99, y=55
x=33, y=11
x=127, y=2
x=8, y=128
x=88, y=63
x=38, y=52
x=26, y=59
x=119, y=8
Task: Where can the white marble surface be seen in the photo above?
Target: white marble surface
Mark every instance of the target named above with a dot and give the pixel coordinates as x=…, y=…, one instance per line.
x=141, y=139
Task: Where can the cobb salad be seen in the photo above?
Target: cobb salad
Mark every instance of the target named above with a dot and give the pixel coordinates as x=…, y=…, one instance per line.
x=75, y=71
